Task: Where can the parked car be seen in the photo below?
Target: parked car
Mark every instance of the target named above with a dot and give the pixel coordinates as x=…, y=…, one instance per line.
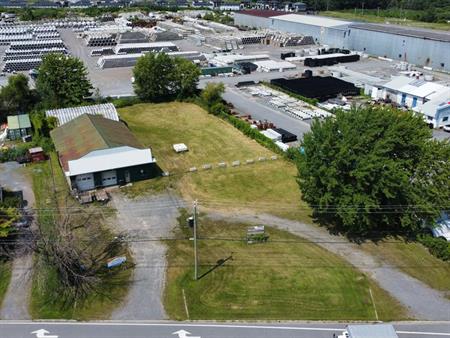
x=442, y=230
x=447, y=128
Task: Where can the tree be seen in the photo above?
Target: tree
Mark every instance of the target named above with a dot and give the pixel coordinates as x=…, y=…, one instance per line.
x=372, y=170
x=16, y=97
x=159, y=77
x=212, y=93
x=153, y=77
x=62, y=81
x=186, y=77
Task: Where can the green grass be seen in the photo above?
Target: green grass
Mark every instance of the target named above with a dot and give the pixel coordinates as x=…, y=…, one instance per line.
x=372, y=17
x=287, y=278
x=51, y=191
x=415, y=260
x=268, y=186
x=5, y=277
x=262, y=187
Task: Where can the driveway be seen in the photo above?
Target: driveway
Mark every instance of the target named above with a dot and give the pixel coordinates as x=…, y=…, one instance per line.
x=144, y=220
x=422, y=301
x=15, y=303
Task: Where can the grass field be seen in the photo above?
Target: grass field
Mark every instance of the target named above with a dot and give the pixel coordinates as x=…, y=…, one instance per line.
x=51, y=191
x=262, y=187
x=286, y=278
x=415, y=260
x=5, y=276
x=268, y=186
x=351, y=15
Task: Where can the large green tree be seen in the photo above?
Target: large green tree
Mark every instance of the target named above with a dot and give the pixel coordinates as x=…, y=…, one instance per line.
x=159, y=77
x=374, y=169
x=16, y=97
x=62, y=81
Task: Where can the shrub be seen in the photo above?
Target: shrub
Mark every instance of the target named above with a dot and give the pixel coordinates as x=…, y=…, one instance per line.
x=438, y=247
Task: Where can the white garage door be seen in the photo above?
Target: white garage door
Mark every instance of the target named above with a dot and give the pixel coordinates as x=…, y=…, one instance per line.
x=85, y=182
x=109, y=178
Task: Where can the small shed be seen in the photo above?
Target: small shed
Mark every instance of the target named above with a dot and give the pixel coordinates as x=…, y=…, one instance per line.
x=36, y=154
x=18, y=126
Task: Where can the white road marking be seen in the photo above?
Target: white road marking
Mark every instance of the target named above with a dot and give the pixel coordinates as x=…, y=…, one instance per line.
x=42, y=333
x=223, y=326
x=184, y=334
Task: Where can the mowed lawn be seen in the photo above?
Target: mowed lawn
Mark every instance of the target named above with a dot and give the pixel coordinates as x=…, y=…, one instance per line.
x=267, y=186
x=286, y=278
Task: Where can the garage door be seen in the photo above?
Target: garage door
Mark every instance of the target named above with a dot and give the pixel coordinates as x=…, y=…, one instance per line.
x=109, y=178
x=85, y=182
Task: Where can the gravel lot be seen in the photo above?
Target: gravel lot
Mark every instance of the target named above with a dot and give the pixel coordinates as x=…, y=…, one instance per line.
x=15, y=304
x=145, y=220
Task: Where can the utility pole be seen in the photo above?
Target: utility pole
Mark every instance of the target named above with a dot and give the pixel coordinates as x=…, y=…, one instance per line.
x=195, y=242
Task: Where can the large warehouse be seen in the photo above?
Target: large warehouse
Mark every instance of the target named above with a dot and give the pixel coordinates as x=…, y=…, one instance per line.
x=98, y=152
x=418, y=46
x=324, y=30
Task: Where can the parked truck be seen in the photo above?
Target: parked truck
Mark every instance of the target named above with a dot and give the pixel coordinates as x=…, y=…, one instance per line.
x=369, y=331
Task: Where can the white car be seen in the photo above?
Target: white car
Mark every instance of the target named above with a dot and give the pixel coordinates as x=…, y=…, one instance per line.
x=447, y=128
x=442, y=229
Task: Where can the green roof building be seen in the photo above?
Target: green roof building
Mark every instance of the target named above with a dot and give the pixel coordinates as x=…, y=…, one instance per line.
x=97, y=152
x=18, y=126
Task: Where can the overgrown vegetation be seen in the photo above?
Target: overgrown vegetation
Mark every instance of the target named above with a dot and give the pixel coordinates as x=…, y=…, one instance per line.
x=438, y=247
x=71, y=279
x=220, y=17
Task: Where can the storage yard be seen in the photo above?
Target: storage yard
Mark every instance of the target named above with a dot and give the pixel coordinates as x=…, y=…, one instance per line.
x=278, y=53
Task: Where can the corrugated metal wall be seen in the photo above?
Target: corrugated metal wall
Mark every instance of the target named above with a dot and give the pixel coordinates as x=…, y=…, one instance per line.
x=417, y=51
x=251, y=21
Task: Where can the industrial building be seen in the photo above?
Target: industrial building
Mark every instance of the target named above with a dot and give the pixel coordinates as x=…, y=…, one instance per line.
x=98, y=152
x=323, y=30
x=436, y=112
x=409, y=92
x=129, y=60
x=422, y=47
x=417, y=46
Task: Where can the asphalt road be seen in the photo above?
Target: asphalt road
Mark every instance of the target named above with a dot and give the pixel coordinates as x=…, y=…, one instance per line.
x=200, y=330
x=249, y=105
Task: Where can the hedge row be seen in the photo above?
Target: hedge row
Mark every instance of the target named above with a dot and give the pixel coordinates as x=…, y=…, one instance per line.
x=438, y=247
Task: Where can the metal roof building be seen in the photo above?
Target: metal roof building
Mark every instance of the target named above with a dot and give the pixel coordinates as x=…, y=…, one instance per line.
x=107, y=110
x=96, y=152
